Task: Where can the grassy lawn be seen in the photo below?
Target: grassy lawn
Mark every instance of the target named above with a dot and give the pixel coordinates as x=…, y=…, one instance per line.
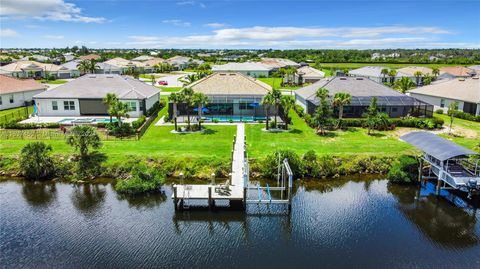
x=57, y=81
x=303, y=138
x=277, y=83
x=9, y=114
x=390, y=65
x=465, y=133
x=170, y=89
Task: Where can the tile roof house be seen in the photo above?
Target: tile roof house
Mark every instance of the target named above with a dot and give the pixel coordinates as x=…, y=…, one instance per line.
x=466, y=92
x=142, y=58
x=16, y=92
x=306, y=74
x=103, y=68
x=83, y=96
x=373, y=73
x=277, y=63
x=362, y=90
x=247, y=68
x=457, y=71
x=230, y=94
x=90, y=57
x=182, y=62
x=31, y=69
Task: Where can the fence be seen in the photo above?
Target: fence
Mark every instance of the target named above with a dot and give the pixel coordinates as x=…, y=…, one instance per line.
x=51, y=134
x=141, y=131
x=16, y=114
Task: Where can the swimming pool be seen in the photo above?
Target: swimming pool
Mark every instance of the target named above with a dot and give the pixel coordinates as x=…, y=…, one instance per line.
x=86, y=120
x=234, y=118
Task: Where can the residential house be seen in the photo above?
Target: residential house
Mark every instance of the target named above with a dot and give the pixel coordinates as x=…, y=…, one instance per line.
x=36, y=57
x=456, y=72
x=89, y=57
x=124, y=64
x=83, y=96
x=102, y=68
x=142, y=58
x=305, y=74
x=412, y=70
x=251, y=69
x=179, y=62
x=230, y=95
x=277, y=63
x=32, y=69
x=466, y=92
x=475, y=68
x=362, y=90
x=374, y=73
x=16, y=92
x=68, y=56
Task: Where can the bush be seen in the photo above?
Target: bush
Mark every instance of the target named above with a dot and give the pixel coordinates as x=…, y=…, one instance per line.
x=157, y=106
x=439, y=111
x=27, y=126
x=405, y=170
x=118, y=130
x=139, y=122
x=270, y=163
x=411, y=122
x=35, y=161
x=299, y=109
x=143, y=180
x=466, y=116
x=215, y=120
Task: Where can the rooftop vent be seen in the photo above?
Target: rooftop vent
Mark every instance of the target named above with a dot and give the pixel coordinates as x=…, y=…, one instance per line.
x=110, y=76
x=359, y=78
x=343, y=78
x=461, y=79
x=91, y=76
x=475, y=78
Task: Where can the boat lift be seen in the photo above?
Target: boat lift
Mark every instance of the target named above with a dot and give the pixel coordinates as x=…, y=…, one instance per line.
x=455, y=167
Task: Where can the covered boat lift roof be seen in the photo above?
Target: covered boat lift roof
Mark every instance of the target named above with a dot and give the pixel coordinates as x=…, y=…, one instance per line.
x=435, y=146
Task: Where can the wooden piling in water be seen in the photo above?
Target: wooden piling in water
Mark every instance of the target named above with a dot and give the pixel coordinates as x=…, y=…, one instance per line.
x=175, y=199
x=420, y=171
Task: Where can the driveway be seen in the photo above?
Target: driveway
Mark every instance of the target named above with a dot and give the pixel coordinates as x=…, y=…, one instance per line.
x=173, y=80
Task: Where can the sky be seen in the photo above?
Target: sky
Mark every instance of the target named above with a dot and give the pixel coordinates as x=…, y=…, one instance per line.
x=244, y=24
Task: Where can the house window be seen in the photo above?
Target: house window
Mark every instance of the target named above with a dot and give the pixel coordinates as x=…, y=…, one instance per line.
x=11, y=99
x=68, y=105
x=54, y=105
x=442, y=102
x=1, y=102
x=142, y=107
x=245, y=106
x=132, y=105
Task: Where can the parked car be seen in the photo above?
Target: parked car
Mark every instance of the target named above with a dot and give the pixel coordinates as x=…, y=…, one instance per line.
x=163, y=83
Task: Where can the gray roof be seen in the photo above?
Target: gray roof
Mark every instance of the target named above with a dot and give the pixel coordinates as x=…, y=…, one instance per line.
x=372, y=71
x=440, y=148
x=102, y=66
x=98, y=85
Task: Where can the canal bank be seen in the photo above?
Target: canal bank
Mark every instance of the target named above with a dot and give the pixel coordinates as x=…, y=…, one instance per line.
x=341, y=223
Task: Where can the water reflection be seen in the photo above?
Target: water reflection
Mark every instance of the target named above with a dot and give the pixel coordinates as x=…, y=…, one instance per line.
x=39, y=194
x=149, y=200
x=88, y=198
x=440, y=221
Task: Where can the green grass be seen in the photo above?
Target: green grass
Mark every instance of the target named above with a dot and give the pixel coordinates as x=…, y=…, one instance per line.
x=466, y=133
x=57, y=81
x=277, y=83
x=303, y=138
x=169, y=89
x=14, y=113
x=389, y=65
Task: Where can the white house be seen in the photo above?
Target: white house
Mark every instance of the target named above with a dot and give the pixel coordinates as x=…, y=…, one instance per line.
x=84, y=95
x=306, y=74
x=32, y=69
x=374, y=73
x=466, y=92
x=18, y=92
x=248, y=68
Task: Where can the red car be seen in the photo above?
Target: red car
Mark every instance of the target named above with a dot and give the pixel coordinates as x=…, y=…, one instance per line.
x=163, y=83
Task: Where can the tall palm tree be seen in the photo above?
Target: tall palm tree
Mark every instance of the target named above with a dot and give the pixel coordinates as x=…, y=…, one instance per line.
x=341, y=99
x=92, y=66
x=188, y=100
x=404, y=84
x=392, y=74
x=321, y=93
x=83, y=66
x=200, y=100
x=175, y=98
x=189, y=79
x=267, y=101
x=287, y=102
x=121, y=109
x=435, y=72
x=417, y=76
x=109, y=100
x=277, y=96
x=384, y=73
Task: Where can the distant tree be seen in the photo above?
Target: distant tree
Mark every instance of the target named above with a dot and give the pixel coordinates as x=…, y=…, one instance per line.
x=35, y=161
x=427, y=79
x=392, y=74
x=200, y=100
x=267, y=102
x=341, y=99
x=404, y=84
x=384, y=73
x=83, y=138
x=276, y=96
x=175, y=98
x=152, y=77
x=418, y=76
x=109, y=100
x=189, y=79
x=435, y=72
x=323, y=113
x=120, y=110
x=287, y=103
x=452, y=109
x=371, y=115
x=87, y=66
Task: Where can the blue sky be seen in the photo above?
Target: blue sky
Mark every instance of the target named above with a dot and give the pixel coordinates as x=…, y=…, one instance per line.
x=240, y=24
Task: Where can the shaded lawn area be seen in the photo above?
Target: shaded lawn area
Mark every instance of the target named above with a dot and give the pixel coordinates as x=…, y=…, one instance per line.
x=303, y=139
x=277, y=83
x=466, y=133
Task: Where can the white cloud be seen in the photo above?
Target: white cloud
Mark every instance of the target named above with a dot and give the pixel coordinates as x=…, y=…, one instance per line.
x=55, y=10
x=302, y=37
x=215, y=25
x=177, y=22
x=54, y=37
x=8, y=33
x=191, y=3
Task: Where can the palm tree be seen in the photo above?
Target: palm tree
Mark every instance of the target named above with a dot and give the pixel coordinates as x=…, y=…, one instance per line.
x=109, y=100
x=83, y=66
x=189, y=79
x=435, y=72
x=452, y=109
x=267, y=101
x=200, y=100
x=384, y=72
x=341, y=99
x=188, y=99
x=404, y=84
x=392, y=74
x=287, y=103
x=120, y=110
x=276, y=96
x=175, y=98
x=417, y=76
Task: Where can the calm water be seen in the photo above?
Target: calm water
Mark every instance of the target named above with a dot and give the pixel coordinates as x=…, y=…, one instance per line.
x=344, y=224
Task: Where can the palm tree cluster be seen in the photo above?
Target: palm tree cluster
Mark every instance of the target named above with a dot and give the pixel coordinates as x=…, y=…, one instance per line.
x=163, y=68
x=191, y=78
x=404, y=84
x=190, y=99
x=87, y=66
x=272, y=99
x=116, y=108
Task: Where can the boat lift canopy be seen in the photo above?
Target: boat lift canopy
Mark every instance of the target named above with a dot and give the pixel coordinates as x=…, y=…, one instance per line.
x=435, y=146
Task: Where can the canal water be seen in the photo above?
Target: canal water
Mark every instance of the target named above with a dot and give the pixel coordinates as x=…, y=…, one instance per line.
x=341, y=223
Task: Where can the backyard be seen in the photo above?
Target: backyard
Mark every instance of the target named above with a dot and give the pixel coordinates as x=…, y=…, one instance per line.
x=15, y=113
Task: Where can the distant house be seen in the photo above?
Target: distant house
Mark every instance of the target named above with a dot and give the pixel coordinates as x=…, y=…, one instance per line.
x=89, y=57
x=457, y=71
x=230, y=94
x=32, y=69
x=142, y=58
x=306, y=74
x=36, y=57
x=18, y=92
x=182, y=62
x=412, y=70
x=362, y=90
x=83, y=96
x=466, y=92
x=247, y=68
x=475, y=68
x=103, y=68
x=68, y=56
x=277, y=63
x=374, y=73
